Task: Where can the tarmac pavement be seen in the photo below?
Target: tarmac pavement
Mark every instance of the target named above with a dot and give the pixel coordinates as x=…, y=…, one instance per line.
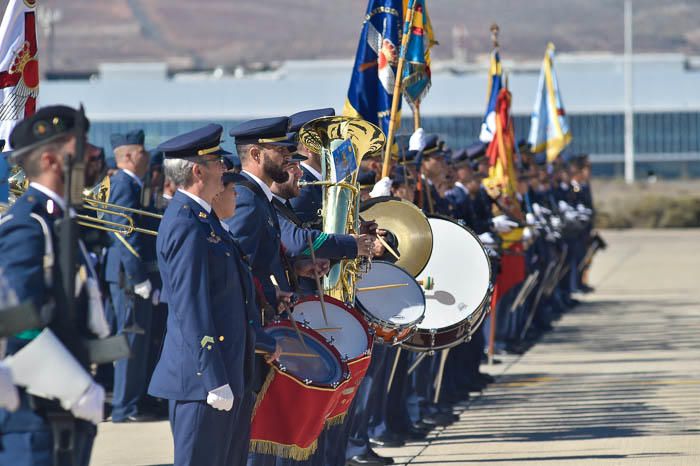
x=617, y=382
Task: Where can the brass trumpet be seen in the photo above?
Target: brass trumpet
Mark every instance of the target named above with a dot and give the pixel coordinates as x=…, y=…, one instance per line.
x=94, y=200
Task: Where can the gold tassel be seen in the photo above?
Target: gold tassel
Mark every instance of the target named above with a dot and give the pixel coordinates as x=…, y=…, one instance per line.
x=293, y=452
x=263, y=390
x=336, y=420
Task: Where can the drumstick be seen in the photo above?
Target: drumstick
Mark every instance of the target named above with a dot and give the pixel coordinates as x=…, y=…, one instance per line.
x=381, y=287
x=291, y=318
x=328, y=329
x=388, y=248
x=318, y=280
x=297, y=355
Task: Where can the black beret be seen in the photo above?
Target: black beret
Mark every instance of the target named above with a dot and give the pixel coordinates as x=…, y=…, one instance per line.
x=45, y=125
x=134, y=137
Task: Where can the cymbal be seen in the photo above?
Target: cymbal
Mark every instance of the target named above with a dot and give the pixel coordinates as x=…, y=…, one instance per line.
x=409, y=230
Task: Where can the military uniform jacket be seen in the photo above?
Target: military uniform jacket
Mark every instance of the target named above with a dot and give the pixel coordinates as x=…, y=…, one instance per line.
x=257, y=230
x=30, y=264
x=295, y=237
x=209, y=341
x=309, y=202
x=481, y=206
x=127, y=254
x=461, y=205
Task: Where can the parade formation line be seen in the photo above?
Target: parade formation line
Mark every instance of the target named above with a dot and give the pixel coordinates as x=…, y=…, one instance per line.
x=616, y=383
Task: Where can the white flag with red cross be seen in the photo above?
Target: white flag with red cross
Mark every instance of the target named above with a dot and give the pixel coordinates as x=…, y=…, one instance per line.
x=19, y=65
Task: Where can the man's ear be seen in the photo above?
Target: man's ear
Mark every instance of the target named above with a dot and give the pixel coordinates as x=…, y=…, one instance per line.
x=254, y=153
x=197, y=171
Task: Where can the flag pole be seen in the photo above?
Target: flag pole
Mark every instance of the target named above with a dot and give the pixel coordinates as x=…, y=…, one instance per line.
x=396, y=98
x=492, y=328
x=416, y=116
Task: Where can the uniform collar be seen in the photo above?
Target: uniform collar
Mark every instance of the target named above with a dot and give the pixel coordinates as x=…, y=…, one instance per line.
x=279, y=198
x=204, y=204
x=312, y=170
x=263, y=186
x=133, y=176
x=225, y=226
x=462, y=187
x=50, y=194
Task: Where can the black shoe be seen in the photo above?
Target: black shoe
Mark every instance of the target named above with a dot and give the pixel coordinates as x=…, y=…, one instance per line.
x=485, y=378
x=386, y=442
x=440, y=419
x=421, y=426
x=414, y=434
x=586, y=289
x=359, y=460
x=384, y=459
x=135, y=418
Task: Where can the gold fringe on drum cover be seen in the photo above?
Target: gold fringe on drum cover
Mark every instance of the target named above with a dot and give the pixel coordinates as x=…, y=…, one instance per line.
x=293, y=452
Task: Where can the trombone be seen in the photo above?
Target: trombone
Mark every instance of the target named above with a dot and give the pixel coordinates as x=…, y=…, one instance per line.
x=95, y=200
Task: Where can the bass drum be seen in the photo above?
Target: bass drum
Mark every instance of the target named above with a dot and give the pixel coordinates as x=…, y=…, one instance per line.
x=461, y=272
x=347, y=331
x=300, y=391
x=392, y=313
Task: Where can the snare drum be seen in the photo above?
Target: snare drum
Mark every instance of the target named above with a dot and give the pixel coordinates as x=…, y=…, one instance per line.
x=392, y=313
x=348, y=332
x=461, y=273
x=299, y=394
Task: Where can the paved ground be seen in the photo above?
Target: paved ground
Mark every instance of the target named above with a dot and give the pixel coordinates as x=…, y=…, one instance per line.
x=616, y=383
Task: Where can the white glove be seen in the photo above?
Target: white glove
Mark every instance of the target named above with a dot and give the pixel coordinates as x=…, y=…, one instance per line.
x=417, y=140
x=556, y=222
x=582, y=209
x=539, y=210
x=527, y=234
x=9, y=396
x=570, y=215
x=221, y=398
x=530, y=218
x=143, y=289
x=487, y=238
x=582, y=217
x=502, y=224
x=564, y=206
x=381, y=188
x=97, y=323
x=90, y=406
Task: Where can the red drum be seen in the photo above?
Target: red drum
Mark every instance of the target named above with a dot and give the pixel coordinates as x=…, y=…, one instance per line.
x=347, y=331
x=300, y=393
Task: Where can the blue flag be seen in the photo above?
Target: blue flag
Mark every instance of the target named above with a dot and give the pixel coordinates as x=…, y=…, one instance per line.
x=488, y=125
x=374, y=72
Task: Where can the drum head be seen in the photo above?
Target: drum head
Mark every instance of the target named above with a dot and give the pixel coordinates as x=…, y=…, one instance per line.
x=344, y=330
x=393, y=307
x=460, y=269
x=323, y=368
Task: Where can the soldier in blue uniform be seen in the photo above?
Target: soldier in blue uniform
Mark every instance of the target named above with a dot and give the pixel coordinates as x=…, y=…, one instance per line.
x=296, y=235
x=309, y=202
x=265, y=151
x=129, y=260
x=29, y=249
x=433, y=166
x=206, y=363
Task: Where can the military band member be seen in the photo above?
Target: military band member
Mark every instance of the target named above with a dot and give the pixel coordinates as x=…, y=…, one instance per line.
x=129, y=260
x=309, y=202
x=265, y=152
x=29, y=249
x=206, y=361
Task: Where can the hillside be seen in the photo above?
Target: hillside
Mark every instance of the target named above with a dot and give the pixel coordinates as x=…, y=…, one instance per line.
x=194, y=34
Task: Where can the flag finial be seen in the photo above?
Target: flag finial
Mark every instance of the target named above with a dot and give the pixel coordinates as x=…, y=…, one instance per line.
x=494, y=34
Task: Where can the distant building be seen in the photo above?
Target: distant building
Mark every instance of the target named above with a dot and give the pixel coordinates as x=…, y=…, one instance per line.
x=666, y=102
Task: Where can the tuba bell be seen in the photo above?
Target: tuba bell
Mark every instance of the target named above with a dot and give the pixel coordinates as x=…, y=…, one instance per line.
x=334, y=138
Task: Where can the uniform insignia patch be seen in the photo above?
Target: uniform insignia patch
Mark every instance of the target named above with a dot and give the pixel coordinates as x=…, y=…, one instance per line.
x=202, y=215
x=206, y=339
x=213, y=238
x=269, y=221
